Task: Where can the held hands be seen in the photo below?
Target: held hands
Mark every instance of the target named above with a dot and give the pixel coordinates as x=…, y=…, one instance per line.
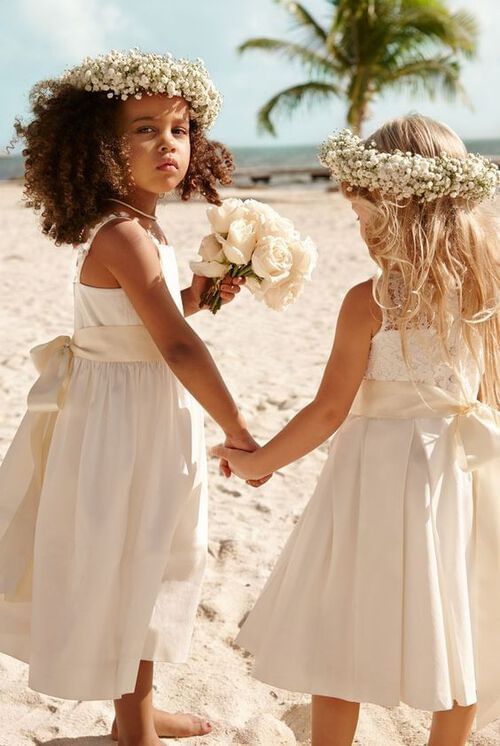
x=243, y=447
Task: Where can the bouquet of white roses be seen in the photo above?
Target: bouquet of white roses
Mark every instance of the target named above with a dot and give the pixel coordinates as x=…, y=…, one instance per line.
x=250, y=239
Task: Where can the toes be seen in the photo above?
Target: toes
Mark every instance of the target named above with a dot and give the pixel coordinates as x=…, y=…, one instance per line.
x=206, y=727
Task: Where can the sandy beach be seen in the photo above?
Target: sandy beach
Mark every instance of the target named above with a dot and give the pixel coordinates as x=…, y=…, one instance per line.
x=272, y=363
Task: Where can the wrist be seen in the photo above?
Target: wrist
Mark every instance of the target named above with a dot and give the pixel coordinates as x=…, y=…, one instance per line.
x=258, y=463
x=237, y=428
x=189, y=301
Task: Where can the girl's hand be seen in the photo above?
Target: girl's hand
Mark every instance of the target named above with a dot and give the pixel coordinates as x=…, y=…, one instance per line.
x=240, y=462
x=244, y=442
x=229, y=288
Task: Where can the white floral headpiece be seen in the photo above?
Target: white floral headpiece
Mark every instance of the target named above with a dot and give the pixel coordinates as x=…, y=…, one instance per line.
x=135, y=73
x=360, y=164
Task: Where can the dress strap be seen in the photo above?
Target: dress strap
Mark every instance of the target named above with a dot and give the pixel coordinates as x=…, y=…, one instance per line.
x=84, y=248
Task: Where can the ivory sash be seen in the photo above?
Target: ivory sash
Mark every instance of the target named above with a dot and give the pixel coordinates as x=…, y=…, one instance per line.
x=477, y=424
x=477, y=432
x=54, y=359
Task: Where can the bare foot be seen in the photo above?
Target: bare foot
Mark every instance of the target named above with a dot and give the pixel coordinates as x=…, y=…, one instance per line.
x=174, y=725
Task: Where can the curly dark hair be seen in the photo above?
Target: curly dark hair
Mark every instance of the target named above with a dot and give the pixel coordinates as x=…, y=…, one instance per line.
x=76, y=159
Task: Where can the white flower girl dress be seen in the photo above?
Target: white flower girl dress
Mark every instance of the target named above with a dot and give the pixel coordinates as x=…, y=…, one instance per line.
x=102, y=504
x=374, y=597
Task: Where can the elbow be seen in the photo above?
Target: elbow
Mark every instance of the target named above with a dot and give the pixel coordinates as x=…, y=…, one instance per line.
x=177, y=353
x=332, y=415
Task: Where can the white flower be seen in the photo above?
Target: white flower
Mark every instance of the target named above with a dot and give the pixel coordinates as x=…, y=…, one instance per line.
x=252, y=235
x=209, y=269
x=278, y=226
x=272, y=259
x=305, y=256
x=210, y=249
x=281, y=295
x=358, y=163
x=258, y=210
x=133, y=72
x=240, y=242
x=221, y=217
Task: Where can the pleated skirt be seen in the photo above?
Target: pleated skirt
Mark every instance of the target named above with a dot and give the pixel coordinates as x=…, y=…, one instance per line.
x=370, y=600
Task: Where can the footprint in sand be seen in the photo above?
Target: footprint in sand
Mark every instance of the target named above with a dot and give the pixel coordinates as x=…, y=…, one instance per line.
x=298, y=719
x=228, y=491
x=227, y=548
x=262, y=508
x=206, y=611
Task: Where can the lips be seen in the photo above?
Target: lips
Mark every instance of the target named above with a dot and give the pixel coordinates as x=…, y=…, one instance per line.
x=169, y=165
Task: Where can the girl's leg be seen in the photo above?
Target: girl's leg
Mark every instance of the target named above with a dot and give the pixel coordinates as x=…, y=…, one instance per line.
x=334, y=721
x=134, y=712
x=452, y=727
x=135, y=708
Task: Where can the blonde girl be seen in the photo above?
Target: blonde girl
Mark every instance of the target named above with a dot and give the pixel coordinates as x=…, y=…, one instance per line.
x=384, y=592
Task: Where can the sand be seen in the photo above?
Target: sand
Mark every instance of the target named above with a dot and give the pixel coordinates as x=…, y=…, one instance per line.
x=272, y=363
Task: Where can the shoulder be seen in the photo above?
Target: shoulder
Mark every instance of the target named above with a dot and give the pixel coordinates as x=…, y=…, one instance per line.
x=360, y=293
x=124, y=241
x=360, y=308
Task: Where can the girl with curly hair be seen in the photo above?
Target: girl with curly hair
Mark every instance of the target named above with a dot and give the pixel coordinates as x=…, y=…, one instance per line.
x=103, y=490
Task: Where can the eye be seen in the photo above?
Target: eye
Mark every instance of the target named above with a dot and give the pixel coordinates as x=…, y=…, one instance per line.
x=141, y=130
x=180, y=130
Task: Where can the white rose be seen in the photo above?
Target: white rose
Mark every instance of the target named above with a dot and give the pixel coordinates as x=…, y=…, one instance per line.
x=272, y=259
x=260, y=209
x=281, y=295
x=210, y=249
x=255, y=286
x=209, y=269
x=221, y=217
x=278, y=226
x=305, y=256
x=240, y=241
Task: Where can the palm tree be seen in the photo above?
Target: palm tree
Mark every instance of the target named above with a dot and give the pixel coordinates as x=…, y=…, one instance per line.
x=367, y=47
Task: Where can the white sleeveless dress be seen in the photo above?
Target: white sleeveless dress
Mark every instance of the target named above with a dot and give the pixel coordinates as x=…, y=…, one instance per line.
x=370, y=598
x=119, y=544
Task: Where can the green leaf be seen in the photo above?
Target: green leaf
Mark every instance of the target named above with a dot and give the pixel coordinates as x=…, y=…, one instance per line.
x=305, y=21
x=313, y=61
x=290, y=98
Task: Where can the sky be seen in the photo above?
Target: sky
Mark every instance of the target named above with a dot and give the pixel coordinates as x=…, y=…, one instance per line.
x=40, y=38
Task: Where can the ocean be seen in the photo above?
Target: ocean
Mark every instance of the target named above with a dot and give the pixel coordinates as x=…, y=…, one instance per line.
x=265, y=157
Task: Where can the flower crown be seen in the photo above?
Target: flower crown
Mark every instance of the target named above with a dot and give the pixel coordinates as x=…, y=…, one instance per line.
x=360, y=164
x=134, y=73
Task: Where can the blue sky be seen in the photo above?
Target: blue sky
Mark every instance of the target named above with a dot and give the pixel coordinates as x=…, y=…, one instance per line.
x=39, y=38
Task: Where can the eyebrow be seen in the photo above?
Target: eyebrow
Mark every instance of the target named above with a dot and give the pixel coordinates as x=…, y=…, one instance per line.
x=152, y=119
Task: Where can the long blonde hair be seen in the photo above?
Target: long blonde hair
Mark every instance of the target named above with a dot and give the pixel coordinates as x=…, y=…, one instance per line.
x=448, y=244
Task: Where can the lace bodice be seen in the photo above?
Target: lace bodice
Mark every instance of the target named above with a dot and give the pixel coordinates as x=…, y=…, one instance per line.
x=460, y=375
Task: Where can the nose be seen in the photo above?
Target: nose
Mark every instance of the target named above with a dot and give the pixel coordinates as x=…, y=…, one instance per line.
x=167, y=142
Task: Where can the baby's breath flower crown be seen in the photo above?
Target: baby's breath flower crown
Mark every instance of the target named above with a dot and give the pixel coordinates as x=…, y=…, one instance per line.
x=360, y=164
x=135, y=73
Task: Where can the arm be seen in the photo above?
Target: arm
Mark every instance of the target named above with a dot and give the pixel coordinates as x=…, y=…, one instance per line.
x=358, y=321
x=128, y=253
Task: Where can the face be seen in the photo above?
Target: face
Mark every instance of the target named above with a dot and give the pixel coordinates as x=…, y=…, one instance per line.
x=363, y=213
x=156, y=130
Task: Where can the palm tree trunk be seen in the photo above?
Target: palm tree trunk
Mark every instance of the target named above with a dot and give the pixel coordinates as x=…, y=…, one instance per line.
x=357, y=115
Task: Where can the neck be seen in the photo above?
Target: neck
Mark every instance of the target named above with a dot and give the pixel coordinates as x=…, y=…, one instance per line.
x=145, y=201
